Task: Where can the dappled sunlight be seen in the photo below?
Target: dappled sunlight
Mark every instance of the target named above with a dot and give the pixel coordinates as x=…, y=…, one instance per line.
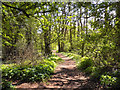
x=68, y=76
x=73, y=45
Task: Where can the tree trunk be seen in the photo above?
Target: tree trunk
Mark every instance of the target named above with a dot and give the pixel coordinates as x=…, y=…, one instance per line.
x=118, y=30
x=47, y=44
x=59, y=45
x=71, y=44
x=47, y=37
x=78, y=31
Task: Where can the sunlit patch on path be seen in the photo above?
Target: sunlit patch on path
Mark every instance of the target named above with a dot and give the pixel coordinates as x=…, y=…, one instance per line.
x=66, y=76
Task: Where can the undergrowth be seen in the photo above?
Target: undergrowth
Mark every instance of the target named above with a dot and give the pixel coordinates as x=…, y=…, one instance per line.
x=103, y=74
x=28, y=72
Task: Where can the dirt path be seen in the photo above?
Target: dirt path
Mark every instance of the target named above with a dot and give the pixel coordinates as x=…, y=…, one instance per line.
x=66, y=76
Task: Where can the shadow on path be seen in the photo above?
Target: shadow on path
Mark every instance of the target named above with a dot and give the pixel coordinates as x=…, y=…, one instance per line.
x=66, y=76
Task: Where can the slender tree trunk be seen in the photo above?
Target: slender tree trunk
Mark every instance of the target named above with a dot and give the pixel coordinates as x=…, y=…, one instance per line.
x=118, y=24
x=59, y=45
x=71, y=44
x=47, y=44
x=62, y=42
x=28, y=36
x=86, y=22
x=78, y=32
x=59, y=48
x=81, y=24
x=47, y=40
x=63, y=28
x=118, y=30
x=83, y=43
x=74, y=28
x=41, y=43
x=78, y=23
x=65, y=31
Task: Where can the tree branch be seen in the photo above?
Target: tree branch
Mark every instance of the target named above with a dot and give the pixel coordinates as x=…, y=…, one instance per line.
x=28, y=15
x=17, y=9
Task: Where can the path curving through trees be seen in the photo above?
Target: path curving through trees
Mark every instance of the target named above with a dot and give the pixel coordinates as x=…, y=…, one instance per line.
x=66, y=76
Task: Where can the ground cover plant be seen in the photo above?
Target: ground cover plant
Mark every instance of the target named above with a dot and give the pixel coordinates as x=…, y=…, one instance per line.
x=107, y=79
x=29, y=72
x=88, y=31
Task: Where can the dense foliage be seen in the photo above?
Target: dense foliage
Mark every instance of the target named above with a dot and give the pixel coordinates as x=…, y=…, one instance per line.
x=89, y=30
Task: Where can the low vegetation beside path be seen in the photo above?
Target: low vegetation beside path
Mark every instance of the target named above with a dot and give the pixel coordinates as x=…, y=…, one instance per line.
x=102, y=74
x=28, y=72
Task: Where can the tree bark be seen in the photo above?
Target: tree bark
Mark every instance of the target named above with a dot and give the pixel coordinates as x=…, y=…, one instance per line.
x=59, y=45
x=47, y=40
x=118, y=30
x=47, y=44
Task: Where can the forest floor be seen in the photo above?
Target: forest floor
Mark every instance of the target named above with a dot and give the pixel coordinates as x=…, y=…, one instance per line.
x=66, y=76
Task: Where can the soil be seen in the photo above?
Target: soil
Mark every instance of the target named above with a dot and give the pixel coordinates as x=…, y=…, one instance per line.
x=66, y=76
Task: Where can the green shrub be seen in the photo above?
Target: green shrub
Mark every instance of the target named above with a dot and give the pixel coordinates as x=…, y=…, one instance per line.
x=116, y=74
x=84, y=63
x=65, y=54
x=95, y=75
x=77, y=57
x=97, y=72
x=89, y=70
x=72, y=56
x=54, y=58
x=29, y=72
x=117, y=84
x=57, y=51
x=107, y=80
x=49, y=63
x=6, y=85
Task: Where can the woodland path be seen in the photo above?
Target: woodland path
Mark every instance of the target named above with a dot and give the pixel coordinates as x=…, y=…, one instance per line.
x=66, y=76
